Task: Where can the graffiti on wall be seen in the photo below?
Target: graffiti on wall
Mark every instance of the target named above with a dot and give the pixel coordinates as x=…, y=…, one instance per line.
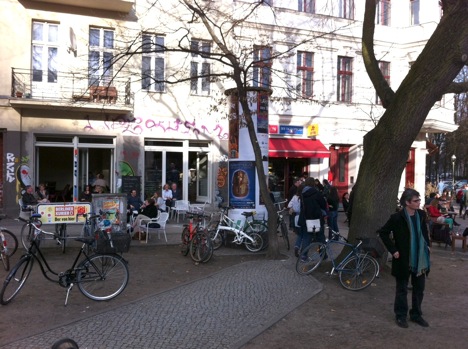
x=17, y=170
x=139, y=125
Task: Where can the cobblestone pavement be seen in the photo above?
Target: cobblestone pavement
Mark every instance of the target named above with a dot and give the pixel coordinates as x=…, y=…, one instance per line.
x=223, y=310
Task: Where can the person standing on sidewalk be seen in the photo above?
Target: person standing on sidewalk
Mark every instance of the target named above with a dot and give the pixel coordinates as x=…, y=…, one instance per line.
x=410, y=250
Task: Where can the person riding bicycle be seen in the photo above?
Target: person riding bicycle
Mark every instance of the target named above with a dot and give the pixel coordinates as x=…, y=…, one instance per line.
x=410, y=250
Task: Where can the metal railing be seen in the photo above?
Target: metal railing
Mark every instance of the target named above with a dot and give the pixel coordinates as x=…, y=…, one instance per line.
x=70, y=87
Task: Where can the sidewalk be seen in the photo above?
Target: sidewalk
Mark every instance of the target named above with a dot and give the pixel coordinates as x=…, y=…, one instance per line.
x=221, y=310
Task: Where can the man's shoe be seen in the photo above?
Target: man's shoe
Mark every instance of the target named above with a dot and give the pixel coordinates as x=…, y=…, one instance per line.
x=401, y=322
x=296, y=251
x=456, y=224
x=420, y=321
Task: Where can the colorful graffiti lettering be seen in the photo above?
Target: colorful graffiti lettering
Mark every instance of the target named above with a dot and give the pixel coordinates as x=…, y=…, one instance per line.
x=139, y=125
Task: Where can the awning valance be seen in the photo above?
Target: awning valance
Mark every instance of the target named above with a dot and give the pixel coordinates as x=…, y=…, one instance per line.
x=297, y=148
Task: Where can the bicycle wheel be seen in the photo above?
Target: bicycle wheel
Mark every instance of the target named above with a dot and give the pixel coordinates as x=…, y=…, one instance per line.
x=201, y=248
x=185, y=241
x=16, y=279
x=310, y=258
x=357, y=272
x=285, y=234
x=260, y=228
x=5, y=260
x=217, y=238
x=256, y=244
x=10, y=241
x=102, y=276
x=26, y=235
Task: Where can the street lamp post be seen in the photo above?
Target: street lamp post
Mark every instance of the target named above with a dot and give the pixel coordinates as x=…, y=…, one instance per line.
x=454, y=158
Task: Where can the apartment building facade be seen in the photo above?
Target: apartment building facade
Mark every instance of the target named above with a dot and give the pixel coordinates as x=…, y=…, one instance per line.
x=74, y=101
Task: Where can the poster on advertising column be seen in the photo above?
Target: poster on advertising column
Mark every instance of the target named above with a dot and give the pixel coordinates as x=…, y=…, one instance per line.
x=242, y=184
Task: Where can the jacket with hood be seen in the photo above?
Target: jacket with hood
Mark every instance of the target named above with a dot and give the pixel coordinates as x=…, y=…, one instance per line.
x=312, y=205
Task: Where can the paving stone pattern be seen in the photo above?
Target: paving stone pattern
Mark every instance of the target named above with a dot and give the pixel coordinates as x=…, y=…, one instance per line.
x=224, y=310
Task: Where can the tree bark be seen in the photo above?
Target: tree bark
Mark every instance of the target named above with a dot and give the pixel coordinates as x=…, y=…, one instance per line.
x=387, y=146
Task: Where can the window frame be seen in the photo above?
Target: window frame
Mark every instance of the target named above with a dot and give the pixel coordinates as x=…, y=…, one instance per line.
x=346, y=9
x=200, y=67
x=384, y=67
x=306, y=6
x=262, y=66
x=415, y=7
x=302, y=70
x=383, y=12
x=102, y=73
x=46, y=50
x=153, y=55
x=344, y=79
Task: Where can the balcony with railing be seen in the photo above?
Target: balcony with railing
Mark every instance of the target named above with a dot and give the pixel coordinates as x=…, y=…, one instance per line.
x=38, y=89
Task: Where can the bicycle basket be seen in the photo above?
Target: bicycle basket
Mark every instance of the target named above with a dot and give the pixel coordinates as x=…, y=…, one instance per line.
x=112, y=243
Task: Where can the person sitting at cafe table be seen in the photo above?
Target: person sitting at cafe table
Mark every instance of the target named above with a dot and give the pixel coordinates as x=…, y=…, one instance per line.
x=445, y=207
x=29, y=199
x=42, y=194
x=85, y=195
x=438, y=216
x=149, y=210
x=160, y=202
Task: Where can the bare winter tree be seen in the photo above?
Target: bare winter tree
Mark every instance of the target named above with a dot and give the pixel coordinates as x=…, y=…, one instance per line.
x=229, y=26
x=386, y=147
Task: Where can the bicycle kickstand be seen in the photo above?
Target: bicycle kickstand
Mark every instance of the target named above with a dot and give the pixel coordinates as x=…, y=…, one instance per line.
x=68, y=293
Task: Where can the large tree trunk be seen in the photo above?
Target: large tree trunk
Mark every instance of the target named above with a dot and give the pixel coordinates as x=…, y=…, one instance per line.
x=387, y=146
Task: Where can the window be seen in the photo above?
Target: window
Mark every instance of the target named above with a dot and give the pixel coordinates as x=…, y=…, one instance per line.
x=345, y=79
x=346, y=9
x=101, y=55
x=305, y=74
x=44, y=51
x=200, y=68
x=267, y=2
x=261, y=66
x=382, y=14
x=306, y=6
x=152, y=68
x=414, y=4
x=385, y=69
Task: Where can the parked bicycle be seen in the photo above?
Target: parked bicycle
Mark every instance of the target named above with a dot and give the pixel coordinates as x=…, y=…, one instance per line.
x=28, y=232
x=282, y=228
x=195, y=239
x=101, y=276
x=356, y=271
x=8, y=246
x=248, y=234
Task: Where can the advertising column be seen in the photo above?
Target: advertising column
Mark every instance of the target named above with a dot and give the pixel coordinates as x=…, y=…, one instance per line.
x=244, y=193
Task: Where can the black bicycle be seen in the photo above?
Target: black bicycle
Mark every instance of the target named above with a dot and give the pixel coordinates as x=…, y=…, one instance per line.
x=8, y=246
x=100, y=277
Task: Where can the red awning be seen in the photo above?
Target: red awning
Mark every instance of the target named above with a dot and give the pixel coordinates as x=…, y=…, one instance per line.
x=297, y=148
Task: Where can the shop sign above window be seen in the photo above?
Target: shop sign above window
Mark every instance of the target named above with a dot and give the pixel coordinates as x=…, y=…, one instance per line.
x=291, y=130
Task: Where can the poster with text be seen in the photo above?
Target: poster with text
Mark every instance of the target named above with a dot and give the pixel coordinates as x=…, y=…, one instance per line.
x=242, y=184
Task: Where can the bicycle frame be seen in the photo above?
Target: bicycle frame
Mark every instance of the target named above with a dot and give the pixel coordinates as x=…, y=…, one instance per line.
x=354, y=252
x=232, y=226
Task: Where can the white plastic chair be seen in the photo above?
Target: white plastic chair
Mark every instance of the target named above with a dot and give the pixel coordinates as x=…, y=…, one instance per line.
x=180, y=208
x=150, y=224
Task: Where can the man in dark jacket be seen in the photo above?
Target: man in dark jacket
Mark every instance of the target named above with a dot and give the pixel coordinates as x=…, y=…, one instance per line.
x=313, y=206
x=410, y=250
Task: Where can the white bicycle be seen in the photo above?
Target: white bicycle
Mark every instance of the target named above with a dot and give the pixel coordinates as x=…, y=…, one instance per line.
x=252, y=240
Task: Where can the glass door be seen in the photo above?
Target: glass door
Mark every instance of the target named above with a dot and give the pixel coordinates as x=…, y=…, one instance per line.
x=199, y=174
